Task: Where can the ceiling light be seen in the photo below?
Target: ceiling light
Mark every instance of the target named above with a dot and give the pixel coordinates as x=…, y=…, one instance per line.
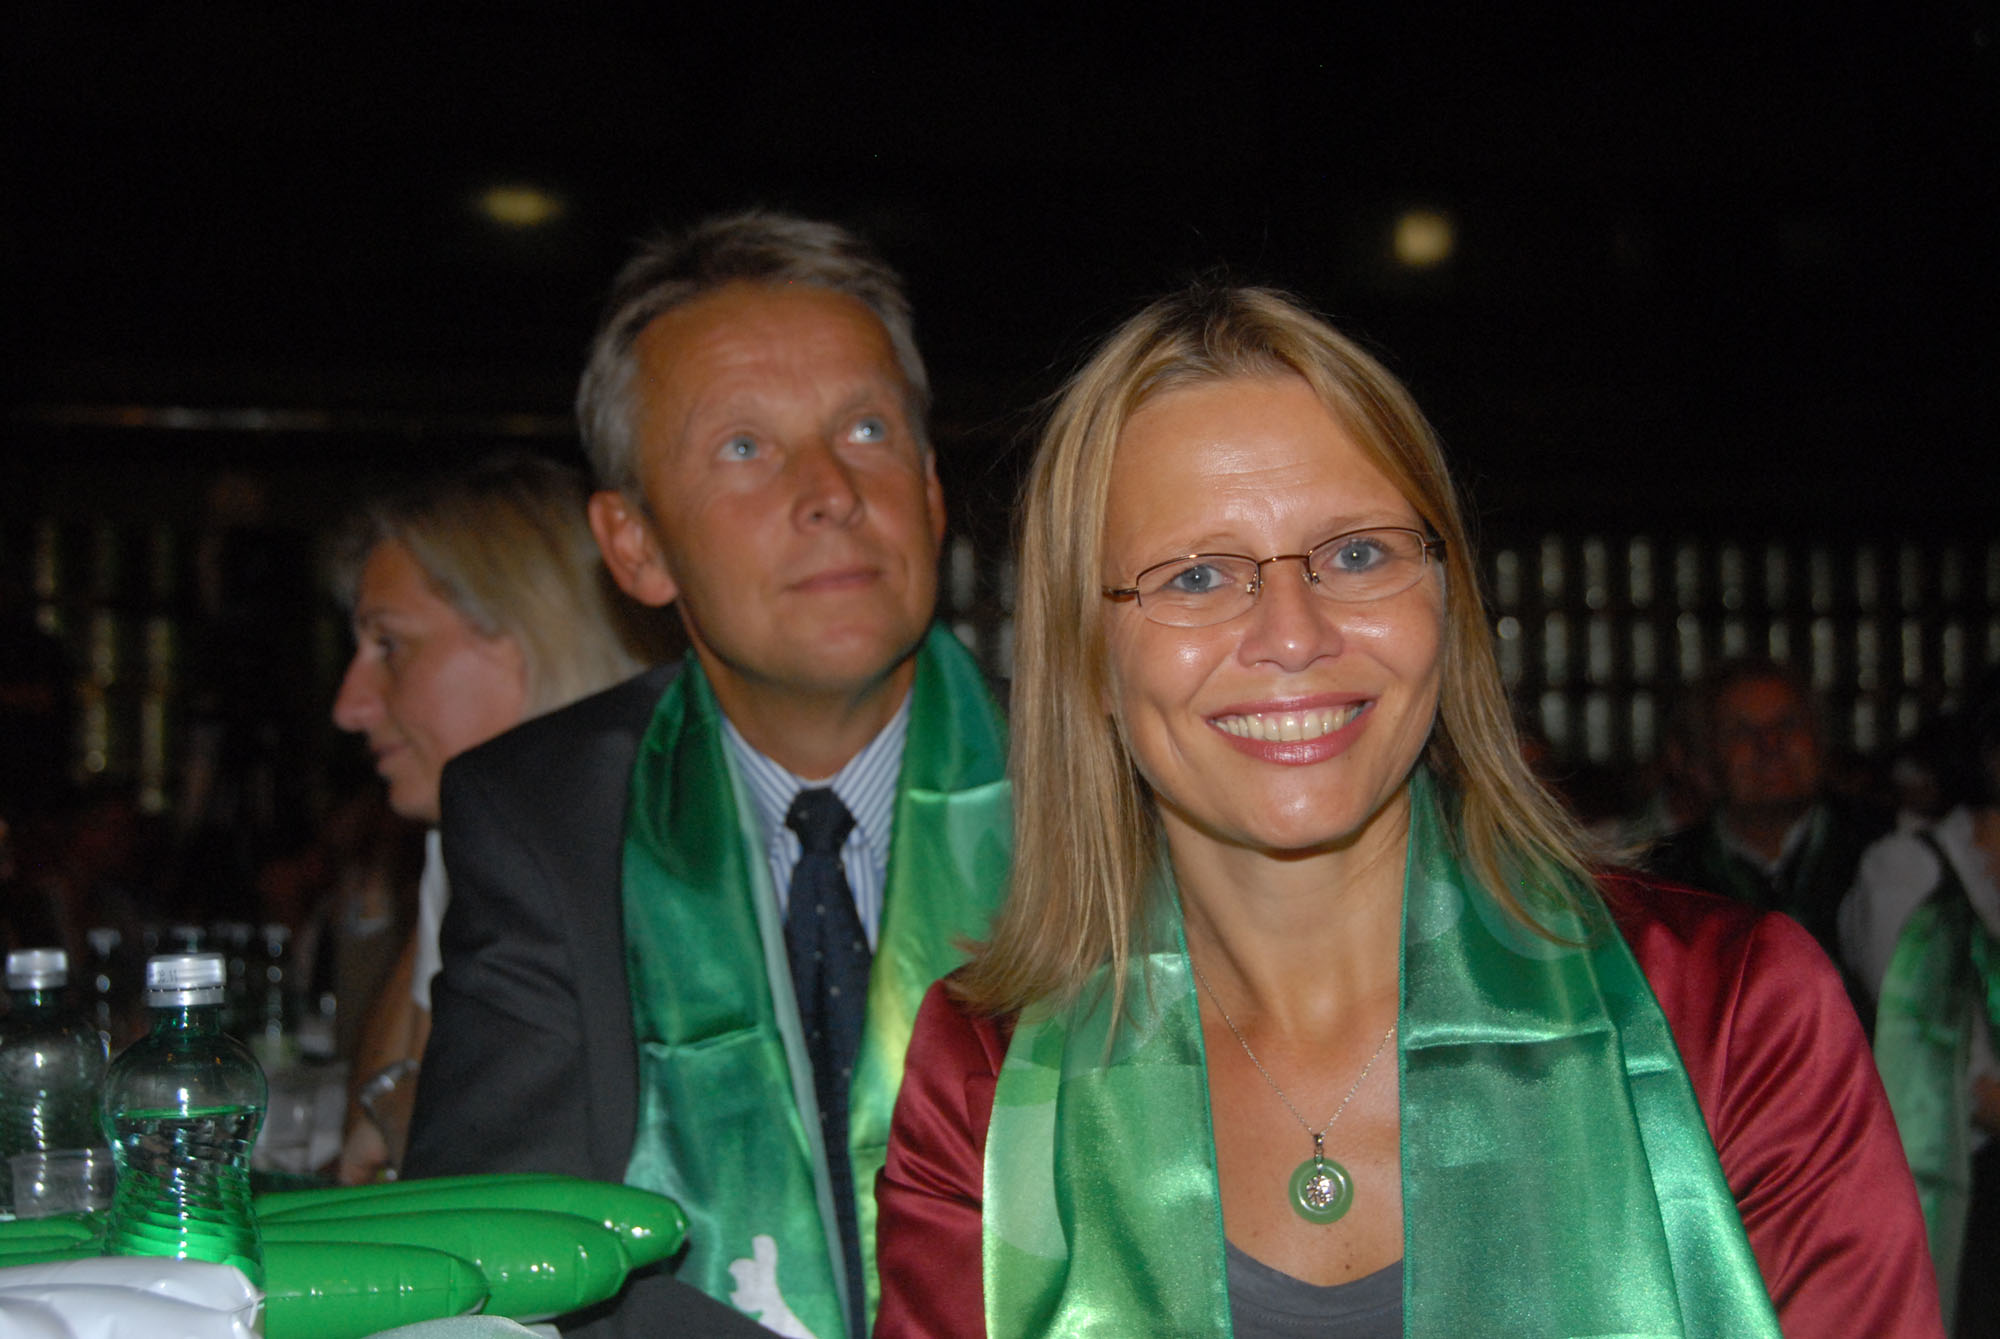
x=1424, y=238
x=520, y=206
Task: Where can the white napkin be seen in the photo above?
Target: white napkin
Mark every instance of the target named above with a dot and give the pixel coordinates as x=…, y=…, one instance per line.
x=470, y=1327
x=127, y=1297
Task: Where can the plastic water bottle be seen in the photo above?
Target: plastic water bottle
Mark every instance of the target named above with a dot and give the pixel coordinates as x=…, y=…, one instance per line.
x=51, y=1066
x=182, y=1106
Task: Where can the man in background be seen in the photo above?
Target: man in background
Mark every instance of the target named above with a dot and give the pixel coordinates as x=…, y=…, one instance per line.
x=1775, y=837
x=693, y=916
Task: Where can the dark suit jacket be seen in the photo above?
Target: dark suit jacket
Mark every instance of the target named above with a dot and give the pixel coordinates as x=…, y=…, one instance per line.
x=1809, y=890
x=531, y=1064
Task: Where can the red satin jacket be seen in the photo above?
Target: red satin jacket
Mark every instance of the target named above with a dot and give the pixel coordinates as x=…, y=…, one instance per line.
x=1772, y=1048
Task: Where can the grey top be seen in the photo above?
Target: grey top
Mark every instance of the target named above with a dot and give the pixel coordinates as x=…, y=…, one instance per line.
x=1265, y=1303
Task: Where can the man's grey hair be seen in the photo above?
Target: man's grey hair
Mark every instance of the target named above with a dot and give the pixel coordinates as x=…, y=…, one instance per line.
x=673, y=269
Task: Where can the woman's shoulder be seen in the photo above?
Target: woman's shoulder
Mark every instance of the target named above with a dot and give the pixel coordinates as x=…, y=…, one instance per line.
x=937, y=1142
x=1669, y=924
x=1728, y=977
x=1780, y=1067
x=950, y=1038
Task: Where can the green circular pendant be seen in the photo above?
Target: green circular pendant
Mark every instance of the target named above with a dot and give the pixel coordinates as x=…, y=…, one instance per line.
x=1322, y=1191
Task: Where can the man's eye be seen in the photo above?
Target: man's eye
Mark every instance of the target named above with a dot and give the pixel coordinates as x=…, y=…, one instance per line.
x=870, y=429
x=740, y=447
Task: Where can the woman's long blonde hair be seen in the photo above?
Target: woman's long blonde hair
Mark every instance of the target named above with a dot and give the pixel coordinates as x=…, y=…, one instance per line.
x=1086, y=834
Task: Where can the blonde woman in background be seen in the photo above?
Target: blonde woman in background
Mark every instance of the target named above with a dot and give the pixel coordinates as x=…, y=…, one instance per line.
x=478, y=600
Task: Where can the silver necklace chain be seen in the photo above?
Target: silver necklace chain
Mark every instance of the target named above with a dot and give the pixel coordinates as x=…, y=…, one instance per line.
x=1353, y=1088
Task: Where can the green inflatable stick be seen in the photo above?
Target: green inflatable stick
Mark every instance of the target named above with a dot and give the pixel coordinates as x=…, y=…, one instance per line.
x=67, y=1226
x=538, y=1265
x=50, y=1251
x=347, y=1289
x=272, y=1203
x=652, y=1227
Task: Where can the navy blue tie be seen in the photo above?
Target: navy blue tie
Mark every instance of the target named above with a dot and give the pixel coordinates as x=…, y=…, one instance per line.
x=830, y=956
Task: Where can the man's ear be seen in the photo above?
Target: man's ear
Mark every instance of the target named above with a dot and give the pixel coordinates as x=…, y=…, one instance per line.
x=934, y=498
x=631, y=549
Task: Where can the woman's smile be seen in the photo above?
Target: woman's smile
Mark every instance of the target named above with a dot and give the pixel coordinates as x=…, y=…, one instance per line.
x=1272, y=727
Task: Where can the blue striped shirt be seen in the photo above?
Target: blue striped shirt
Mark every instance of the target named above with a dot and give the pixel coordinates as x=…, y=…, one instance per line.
x=866, y=785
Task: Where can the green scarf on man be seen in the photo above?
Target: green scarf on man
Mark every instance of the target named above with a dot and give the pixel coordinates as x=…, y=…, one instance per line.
x=727, y=1117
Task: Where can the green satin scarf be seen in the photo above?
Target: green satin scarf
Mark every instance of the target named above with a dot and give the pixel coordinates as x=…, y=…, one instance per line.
x=1944, y=971
x=728, y=1124
x=1558, y=1178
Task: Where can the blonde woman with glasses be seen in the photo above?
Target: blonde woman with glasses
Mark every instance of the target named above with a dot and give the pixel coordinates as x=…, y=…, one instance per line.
x=1309, y=1011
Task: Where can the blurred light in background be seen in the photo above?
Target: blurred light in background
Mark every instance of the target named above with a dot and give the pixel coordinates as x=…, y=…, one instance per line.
x=515, y=205
x=1423, y=238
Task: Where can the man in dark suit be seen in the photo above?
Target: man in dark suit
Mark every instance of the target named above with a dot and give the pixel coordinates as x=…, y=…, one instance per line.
x=692, y=916
x=1776, y=837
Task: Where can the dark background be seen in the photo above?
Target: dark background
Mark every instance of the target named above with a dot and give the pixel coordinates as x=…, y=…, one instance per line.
x=1722, y=260
x=1715, y=350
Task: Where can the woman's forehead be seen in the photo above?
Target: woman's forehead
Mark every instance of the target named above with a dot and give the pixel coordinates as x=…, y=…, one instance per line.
x=1253, y=452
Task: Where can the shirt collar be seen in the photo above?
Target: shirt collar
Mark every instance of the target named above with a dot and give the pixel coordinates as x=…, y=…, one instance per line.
x=866, y=785
x=1795, y=838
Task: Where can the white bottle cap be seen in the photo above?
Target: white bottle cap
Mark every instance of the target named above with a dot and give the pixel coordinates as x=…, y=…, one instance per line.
x=37, y=968
x=185, y=978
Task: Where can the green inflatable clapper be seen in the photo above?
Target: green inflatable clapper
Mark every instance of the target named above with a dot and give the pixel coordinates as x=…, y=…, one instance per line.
x=46, y=1251
x=278, y=1203
x=71, y=1227
x=651, y=1227
x=349, y=1289
x=538, y=1265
